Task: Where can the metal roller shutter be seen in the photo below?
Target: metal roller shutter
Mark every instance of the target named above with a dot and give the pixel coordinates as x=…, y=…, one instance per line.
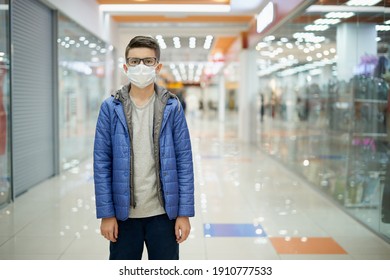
x=32, y=94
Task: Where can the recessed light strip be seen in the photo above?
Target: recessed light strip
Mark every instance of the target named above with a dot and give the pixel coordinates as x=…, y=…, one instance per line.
x=207, y=42
x=327, y=21
x=315, y=27
x=344, y=8
x=362, y=2
x=382, y=27
x=338, y=15
x=180, y=8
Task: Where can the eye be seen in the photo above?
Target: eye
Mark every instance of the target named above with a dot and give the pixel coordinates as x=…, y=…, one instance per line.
x=149, y=61
x=134, y=61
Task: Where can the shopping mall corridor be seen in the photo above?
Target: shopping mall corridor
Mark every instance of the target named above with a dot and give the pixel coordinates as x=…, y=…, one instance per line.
x=248, y=206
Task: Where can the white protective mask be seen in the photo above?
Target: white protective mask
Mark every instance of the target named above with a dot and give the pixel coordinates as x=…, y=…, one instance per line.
x=141, y=75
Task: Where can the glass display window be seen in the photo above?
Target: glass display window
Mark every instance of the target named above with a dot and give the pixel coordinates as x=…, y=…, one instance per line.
x=325, y=79
x=82, y=69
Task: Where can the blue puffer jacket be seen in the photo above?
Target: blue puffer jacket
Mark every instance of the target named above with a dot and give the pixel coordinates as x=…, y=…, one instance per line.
x=112, y=158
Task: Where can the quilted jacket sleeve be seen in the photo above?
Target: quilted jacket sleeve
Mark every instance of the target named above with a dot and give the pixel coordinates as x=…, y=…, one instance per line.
x=183, y=153
x=102, y=164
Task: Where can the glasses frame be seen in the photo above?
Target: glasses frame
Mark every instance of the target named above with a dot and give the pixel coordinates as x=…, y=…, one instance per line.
x=143, y=61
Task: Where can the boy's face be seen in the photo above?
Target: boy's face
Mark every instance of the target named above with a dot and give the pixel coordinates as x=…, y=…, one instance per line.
x=142, y=53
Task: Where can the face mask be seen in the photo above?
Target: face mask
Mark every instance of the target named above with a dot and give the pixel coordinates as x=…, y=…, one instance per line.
x=141, y=75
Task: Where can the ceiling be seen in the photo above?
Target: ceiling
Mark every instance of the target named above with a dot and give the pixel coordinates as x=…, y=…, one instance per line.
x=226, y=27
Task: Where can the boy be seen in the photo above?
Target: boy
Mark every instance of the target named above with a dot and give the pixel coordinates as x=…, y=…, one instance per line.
x=143, y=169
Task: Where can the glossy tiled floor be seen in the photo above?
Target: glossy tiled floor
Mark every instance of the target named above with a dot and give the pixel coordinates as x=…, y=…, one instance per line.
x=248, y=206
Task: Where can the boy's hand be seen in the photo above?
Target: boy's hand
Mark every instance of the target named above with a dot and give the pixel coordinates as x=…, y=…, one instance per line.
x=182, y=228
x=109, y=228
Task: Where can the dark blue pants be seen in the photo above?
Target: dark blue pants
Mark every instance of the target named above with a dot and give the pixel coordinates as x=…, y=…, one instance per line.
x=158, y=234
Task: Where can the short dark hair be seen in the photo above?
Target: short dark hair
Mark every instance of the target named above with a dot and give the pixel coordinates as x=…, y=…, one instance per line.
x=144, y=42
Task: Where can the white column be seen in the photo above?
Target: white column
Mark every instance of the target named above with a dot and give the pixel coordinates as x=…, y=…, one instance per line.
x=354, y=41
x=247, y=94
x=221, y=97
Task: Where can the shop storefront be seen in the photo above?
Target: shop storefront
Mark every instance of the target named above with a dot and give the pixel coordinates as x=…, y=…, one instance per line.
x=5, y=170
x=53, y=88
x=324, y=81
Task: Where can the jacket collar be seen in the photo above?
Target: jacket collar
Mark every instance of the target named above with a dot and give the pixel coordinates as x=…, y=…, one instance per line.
x=122, y=93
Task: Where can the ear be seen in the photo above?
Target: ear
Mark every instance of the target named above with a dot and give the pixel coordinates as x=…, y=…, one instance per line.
x=158, y=68
x=125, y=67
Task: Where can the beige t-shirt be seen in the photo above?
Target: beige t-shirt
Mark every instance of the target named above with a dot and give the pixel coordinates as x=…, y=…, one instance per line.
x=145, y=178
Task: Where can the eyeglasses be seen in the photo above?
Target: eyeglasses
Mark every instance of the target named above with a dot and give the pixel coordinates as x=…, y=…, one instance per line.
x=148, y=61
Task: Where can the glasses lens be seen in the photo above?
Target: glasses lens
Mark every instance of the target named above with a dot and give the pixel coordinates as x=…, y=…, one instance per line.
x=133, y=61
x=149, y=61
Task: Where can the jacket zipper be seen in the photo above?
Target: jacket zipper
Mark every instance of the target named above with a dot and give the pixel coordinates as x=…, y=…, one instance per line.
x=132, y=198
x=131, y=153
x=157, y=151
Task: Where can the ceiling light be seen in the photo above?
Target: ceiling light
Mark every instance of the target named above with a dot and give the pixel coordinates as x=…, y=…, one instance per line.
x=317, y=39
x=339, y=15
x=192, y=42
x=303, y=35
x=269, y=38
x=308, y=37
x=265, y=17
x=262, y=45
x=362, y=2
x=387, y=22
x=382, y=28
x=314, y=27
x=161, y=42
x=171, y=8
x=207, y=42
x=176, y=42
x=325, y=21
